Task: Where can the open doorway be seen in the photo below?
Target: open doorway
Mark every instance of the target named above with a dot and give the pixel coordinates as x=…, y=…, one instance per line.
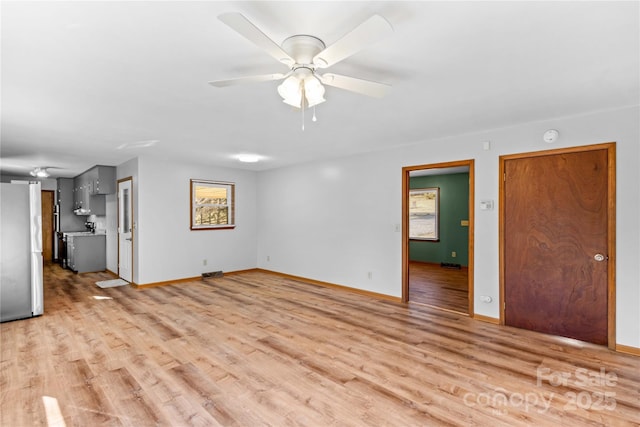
x=437, y=235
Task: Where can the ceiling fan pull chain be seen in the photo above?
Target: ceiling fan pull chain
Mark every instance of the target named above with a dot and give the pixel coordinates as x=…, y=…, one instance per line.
x=314, y=118
x=302, y=101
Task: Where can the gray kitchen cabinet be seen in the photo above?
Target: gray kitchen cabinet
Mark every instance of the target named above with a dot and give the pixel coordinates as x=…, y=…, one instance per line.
x=80, y=192
x=102, y=180
x=67, y=220
x=90, y=189
x=87, y=253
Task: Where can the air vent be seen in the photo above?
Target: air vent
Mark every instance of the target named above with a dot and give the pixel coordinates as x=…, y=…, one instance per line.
x=212, y=274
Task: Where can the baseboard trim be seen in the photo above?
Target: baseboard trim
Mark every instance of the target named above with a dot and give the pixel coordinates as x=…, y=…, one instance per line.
x=248, y=270
x=187, y=279
x=635, y=351
x=288, y=276
x=487, y=319
x=112, y=273
x=333, y=286
x=166, y=282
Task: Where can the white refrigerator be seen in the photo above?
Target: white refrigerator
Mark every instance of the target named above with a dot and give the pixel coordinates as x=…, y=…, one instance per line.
x=21, y=294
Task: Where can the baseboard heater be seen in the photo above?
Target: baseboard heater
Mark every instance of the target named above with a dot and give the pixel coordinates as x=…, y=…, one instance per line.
x=212, y=274
x=450, y=265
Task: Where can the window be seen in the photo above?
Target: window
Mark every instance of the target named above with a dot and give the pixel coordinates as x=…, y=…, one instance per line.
x=212, y=205
x=424, y=214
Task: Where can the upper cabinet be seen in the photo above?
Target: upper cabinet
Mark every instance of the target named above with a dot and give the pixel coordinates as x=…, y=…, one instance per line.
x=66, y=204
x=101, y=180
x=90, y=189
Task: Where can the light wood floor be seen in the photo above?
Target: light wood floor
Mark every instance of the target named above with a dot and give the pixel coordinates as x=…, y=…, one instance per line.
x=440, y=287
x=256, y=349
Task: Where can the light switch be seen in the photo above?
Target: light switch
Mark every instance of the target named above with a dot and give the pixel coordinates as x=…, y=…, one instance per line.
x=486, y=205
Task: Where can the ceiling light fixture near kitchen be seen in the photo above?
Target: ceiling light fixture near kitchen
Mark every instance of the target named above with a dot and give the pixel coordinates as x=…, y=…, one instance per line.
x=40, y=173
x=248, y=158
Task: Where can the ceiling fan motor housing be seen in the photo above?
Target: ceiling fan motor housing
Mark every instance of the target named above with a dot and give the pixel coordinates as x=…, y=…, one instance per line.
x=302, y=48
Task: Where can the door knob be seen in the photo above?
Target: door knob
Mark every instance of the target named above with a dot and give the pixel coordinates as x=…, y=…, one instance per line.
x=599, y=257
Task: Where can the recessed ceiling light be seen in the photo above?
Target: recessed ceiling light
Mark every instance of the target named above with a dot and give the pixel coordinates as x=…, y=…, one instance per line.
x=248, y=158
x=138, y=144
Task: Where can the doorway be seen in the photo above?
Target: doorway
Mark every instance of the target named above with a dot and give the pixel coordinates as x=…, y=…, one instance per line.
x=442, y=279
x=125, y=229
x=557, y=242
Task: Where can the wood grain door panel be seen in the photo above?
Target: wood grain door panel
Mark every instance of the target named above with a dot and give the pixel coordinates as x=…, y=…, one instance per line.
x=555, y=222
x=47, y=206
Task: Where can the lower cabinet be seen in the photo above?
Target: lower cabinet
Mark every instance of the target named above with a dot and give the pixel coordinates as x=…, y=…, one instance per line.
x=87, y=253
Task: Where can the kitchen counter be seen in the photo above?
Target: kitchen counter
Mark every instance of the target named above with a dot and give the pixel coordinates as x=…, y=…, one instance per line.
x=86, y=251
x=85, y=233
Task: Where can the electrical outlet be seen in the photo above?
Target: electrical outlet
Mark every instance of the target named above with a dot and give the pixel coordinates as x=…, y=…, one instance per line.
x=268, y=258
x=454, y=254
x=370, y=275
x=204, y=262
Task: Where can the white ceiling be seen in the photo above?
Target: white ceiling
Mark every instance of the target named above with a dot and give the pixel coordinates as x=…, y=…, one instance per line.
x=80, y=79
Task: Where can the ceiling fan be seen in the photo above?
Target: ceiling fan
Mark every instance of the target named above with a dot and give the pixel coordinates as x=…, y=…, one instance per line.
x=305, y=55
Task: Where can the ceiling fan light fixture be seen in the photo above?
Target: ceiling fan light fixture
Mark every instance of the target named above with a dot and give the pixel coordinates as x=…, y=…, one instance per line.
x=291, y=91
x=313, y=91
x=39, y=173
x=304, y=54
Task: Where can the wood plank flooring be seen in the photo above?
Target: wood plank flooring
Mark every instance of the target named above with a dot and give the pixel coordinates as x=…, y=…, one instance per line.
x=256, y=349
x=440, y=287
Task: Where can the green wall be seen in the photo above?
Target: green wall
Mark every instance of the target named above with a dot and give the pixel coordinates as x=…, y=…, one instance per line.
x=454, y=207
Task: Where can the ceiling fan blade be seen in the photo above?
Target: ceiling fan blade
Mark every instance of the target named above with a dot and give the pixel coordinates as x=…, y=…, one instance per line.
x=371, y=30
x=364, y=87
x=247, y=79
x=245, y=28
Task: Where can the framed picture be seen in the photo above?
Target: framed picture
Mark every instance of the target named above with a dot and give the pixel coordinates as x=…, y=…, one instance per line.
x=212, y=205
x=424, y=211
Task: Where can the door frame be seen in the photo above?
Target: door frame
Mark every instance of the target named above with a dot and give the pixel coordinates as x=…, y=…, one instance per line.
x=611, y=226
x=405, y=223
x=133, y=228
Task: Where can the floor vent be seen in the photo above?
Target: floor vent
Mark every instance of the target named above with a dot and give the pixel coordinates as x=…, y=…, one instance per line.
x=212, y=274
x=450, y=265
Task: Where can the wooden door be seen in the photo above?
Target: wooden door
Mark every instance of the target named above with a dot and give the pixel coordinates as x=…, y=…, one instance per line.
x=47, y=225
x=556, y=244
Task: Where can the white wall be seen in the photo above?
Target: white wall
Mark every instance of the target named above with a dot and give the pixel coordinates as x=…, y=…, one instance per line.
x=166, y=247
x=335, y=220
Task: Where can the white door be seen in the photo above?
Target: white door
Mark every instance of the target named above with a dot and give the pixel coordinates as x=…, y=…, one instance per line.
x=125, y=227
